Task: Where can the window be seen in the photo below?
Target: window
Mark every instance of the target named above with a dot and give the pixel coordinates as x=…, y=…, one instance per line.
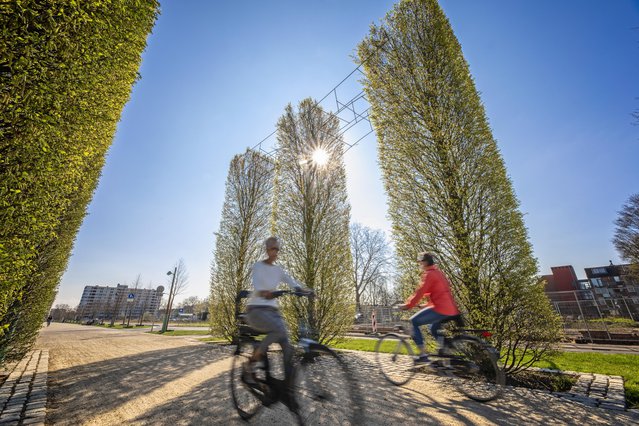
x=586, y=296
x=599, y=271
x=617, y=279
x=596, y=282
x=583, y=285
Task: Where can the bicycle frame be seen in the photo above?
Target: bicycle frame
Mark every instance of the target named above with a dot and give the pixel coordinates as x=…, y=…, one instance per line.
x=246, y=334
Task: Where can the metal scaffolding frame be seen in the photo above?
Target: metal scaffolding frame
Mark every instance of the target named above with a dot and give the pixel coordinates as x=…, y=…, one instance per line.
x=350, y=110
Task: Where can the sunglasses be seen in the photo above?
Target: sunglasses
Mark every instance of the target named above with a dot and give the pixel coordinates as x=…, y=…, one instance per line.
x=274, y=248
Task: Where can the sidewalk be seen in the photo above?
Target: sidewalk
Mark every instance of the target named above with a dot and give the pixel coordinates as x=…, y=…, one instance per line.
x=23, y=396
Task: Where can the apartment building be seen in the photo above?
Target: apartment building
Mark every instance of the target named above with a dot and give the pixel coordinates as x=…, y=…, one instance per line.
x=104, y=302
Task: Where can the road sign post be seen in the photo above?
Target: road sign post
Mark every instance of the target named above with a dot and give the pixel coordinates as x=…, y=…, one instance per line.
x=130, y=299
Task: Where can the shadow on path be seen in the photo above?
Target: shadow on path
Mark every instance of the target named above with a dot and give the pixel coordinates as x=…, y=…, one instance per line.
x=188, y=384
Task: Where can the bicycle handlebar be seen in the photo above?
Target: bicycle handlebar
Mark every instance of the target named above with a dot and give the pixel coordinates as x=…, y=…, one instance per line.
x=277, y=293
x=298, y=293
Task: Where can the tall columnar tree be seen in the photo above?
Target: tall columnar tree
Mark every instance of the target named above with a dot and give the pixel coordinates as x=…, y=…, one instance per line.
x=446, y=181
x=311, y=215
x=626, y=238
x=244, y=226
x=66, y=71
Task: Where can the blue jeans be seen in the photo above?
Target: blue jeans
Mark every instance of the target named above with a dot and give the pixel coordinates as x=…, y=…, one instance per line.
x=423, y=317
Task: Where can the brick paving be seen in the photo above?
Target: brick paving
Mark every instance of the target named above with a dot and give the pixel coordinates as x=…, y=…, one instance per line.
x=596, y=390
x=172, y=381
x=23, y=395
x=590, y=389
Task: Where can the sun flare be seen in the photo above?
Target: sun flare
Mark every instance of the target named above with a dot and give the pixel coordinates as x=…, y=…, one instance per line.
x=320, y=156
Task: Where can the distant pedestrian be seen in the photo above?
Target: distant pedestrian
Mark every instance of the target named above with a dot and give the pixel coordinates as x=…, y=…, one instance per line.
x=49, y=319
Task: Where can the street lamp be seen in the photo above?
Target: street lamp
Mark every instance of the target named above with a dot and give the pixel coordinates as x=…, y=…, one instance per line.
x=169, y=302
x=117, y=305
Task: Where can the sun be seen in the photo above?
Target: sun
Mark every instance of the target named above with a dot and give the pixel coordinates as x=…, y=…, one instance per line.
x=320, y=157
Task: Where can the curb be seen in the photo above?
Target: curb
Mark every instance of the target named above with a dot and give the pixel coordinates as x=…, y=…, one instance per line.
x=23, y=396
x=594, y=390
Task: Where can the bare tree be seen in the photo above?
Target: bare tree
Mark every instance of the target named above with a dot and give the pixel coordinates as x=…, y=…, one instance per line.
x=179, y=282
x=131, y=305
x=62, y=312
x=181, y=278
x=626, y=239
x=379, y=293
x=369, y=250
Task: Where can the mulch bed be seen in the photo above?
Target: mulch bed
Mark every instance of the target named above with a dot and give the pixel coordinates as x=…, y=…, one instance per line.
x=554, y=382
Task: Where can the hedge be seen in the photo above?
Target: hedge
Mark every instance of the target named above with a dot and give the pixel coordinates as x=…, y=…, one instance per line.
x=66, y=72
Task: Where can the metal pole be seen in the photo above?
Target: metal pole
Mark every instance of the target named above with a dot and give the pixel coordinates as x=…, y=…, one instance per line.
x=117, y=305
x=574, y=293
x=165, y=324
x=627, y=309
x=602, y=318
x=128, y=321
x=142, y=312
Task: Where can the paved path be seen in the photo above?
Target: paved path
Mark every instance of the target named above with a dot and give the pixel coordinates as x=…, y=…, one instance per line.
x=102, y=377
x=23, y=395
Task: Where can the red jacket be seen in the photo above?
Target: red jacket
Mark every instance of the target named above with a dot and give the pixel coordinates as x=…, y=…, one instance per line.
x=435, y=285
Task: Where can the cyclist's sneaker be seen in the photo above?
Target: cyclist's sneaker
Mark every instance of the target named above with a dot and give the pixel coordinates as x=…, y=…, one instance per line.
x=422, y=359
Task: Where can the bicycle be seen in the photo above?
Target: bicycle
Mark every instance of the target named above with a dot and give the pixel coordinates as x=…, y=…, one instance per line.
x=467, y=359
x=321, y=384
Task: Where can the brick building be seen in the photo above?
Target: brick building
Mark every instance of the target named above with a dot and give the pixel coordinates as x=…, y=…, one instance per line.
x=606, y=291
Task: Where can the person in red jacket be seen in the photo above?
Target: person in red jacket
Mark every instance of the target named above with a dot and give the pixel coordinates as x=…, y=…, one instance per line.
x=441, y=304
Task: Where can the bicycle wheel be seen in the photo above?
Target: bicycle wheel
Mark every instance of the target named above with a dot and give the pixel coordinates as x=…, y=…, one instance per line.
x=394, y=356
x=244, y=397
x=325, y=391
x=474, y=369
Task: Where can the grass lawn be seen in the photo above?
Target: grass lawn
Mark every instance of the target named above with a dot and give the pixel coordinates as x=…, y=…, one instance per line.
x=189, y=324
x=108, y=325
x=182, y=333
x=625, y=365
x=584, y=362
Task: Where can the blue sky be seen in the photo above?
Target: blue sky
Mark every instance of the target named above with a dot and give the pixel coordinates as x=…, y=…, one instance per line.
x=558, y=80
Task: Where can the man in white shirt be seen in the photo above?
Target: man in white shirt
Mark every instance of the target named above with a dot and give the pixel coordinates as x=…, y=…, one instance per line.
x=263, y=313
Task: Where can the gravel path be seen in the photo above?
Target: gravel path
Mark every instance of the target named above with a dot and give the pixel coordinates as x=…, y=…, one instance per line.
x=100, y=376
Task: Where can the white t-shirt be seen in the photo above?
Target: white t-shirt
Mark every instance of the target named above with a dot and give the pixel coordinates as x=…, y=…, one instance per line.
x=268, y=277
